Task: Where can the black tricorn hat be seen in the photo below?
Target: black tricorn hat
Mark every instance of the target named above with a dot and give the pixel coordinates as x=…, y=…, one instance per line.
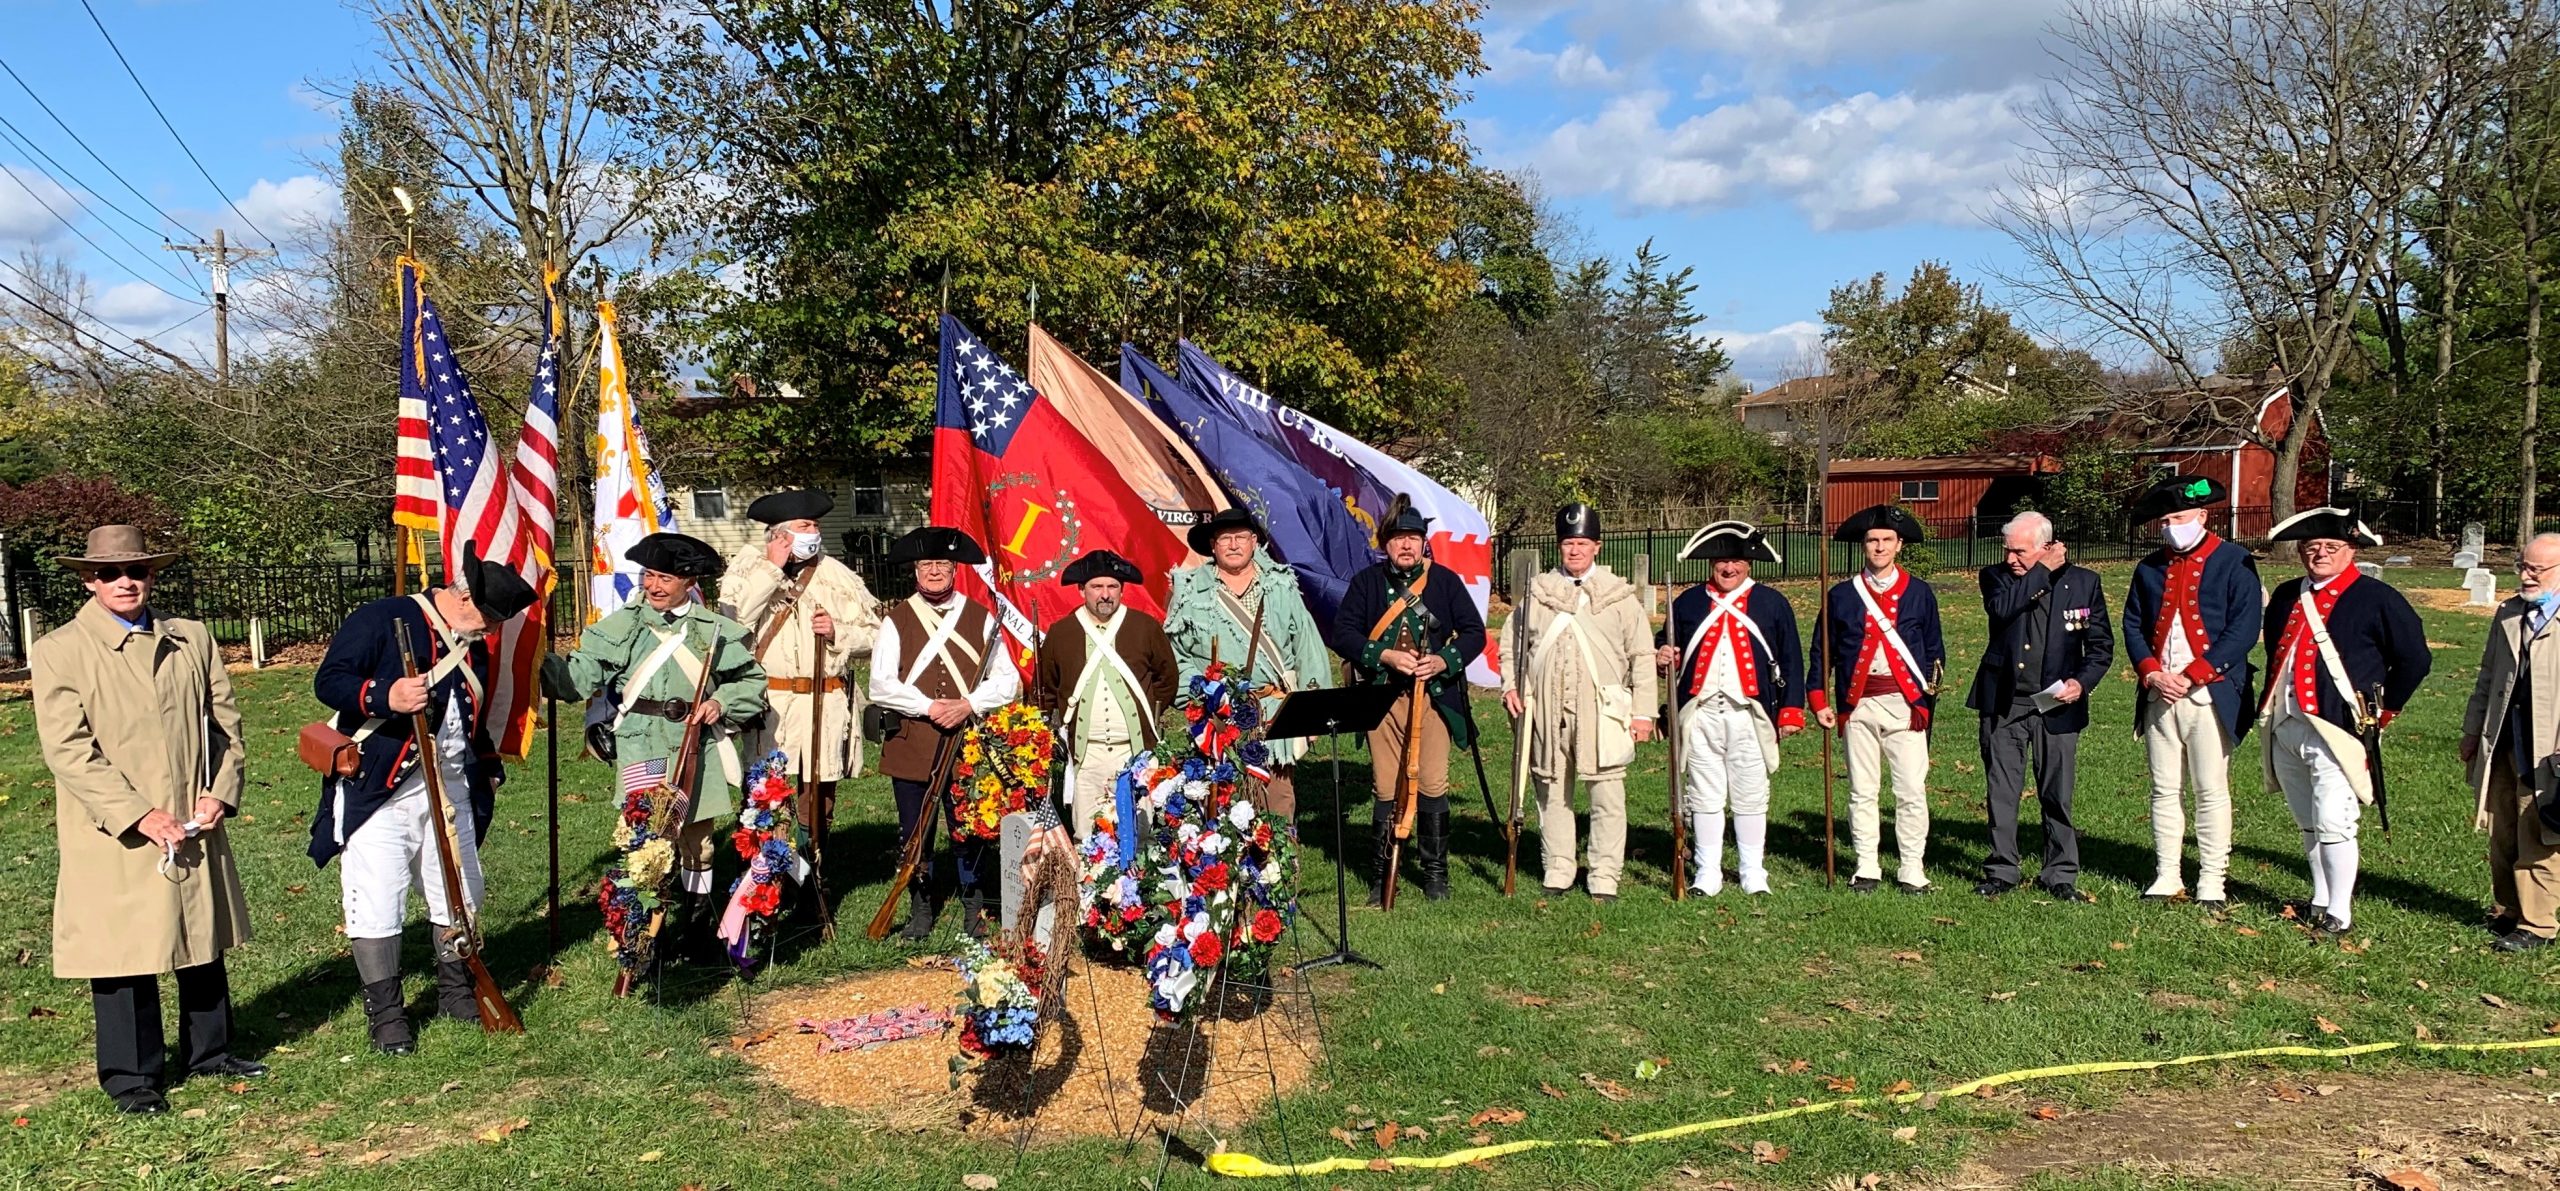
x=677, y=554
x=1401, y=519
x=1577, y=520
x=1874, y=517
x=2177, y=494
x=2329, y=523
x=937, y=543
x=1206, y=533
x=1729, y=539
x=498, y=591
x=1101, y=564
x=805, y=504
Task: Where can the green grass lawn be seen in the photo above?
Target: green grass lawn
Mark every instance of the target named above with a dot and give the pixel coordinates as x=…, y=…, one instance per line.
x=1484, y=1002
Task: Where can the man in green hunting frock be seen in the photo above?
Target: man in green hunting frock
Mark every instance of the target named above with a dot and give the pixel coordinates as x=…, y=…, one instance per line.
x=647, y=656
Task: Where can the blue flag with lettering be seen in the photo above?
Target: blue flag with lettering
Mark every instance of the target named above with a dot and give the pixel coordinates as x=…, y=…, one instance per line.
x=1312, y=529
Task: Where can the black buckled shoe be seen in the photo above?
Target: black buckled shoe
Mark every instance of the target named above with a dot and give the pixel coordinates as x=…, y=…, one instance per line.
x=2061, y=891
x=2517, y=940
x=1914, y=890
x=1863, y=884
x=1993, y=886
x=143, y=1104
x=454, y=999
x=919, y=917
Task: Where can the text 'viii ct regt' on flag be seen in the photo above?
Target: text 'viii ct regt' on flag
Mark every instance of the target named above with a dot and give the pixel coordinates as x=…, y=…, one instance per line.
x=631, y=502
x=1311, y=526
x=498, y=504
x=1012, y=473
x=1460, y=539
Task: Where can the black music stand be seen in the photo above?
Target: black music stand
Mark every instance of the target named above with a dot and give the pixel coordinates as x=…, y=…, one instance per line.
x=1331, y=711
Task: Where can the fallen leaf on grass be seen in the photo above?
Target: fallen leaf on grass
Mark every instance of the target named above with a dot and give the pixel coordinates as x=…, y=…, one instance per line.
x=1767, y=1155
x=2004, y=996
x=2288, y=1093
x=1789, y=1067
x=1349, y=1139
x=450, y=1085
x=1381, y=1166
x=239, y=1087
x=759, y=1038
x=1945, y=922
x=2266, y=986
x=40, y=1012
x=1386, y=1135
x=1900, y=1087
x=1550, y=1089
x=2327, y=1089
x=2095, y=965
x=653, y=1155
x=2423, y=1032
x=2493, y=1000
x=2290, y=913
x=1840, y=1083
x=2118, y=945
x=1930, y=1101
x=502, y=1130
x=1533, y=1001
x=2355, y=946
x=2410, y=1180
x=1487, y=1052
x=2250, y=931
x=978, y=1182
x=1497, y=1116
x=1608, y=1088
x=192, y=1114
x=1648, y=1069
x=1440, y=990
x=2046, y=1112
x=1907, y=1134
x=1612, y=1135
x=1909, y=957
x=369, y=1157
x=1592, y=933
x=2326, y=1026
x=1479, y=1138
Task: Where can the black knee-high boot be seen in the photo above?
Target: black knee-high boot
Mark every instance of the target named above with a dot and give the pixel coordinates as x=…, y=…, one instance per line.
x=1431, y=843
x=1382, y=838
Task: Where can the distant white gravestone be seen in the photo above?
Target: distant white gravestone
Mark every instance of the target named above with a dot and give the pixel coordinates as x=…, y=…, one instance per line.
x=2474, y=540
x=2482, y=583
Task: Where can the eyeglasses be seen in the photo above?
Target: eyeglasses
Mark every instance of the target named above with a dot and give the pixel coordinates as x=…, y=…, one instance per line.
x=138, y=572
x=2526, y=568
x=2325, y=548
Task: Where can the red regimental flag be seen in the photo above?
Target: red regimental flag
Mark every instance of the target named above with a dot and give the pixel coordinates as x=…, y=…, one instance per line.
x=1014, y=474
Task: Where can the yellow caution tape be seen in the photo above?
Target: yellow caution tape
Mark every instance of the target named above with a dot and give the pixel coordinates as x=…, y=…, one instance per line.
x=1246, y=1166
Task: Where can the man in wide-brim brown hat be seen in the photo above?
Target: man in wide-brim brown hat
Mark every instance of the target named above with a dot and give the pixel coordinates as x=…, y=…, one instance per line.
x=137, y=722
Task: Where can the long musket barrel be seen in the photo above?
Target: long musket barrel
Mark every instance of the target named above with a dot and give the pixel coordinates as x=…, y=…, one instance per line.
x=911, y=853
x=496, y=1016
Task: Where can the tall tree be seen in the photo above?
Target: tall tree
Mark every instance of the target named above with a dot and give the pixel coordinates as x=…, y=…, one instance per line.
x=1277, y=179
x=1937, y=368
x=2231, y=169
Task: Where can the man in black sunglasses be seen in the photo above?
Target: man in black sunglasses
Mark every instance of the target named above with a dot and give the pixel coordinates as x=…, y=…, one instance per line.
x=135, y=713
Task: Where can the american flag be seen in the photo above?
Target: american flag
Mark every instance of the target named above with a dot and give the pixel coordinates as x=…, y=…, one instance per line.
x=413, y=493
x=504, y=507
x=643, y=775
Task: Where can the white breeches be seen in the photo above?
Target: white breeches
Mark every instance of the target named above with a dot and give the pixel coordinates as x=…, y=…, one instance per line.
x=1879, y=735
x=1720, y=761
x=394, y=850
x=2184, y=743
x=2316, y=785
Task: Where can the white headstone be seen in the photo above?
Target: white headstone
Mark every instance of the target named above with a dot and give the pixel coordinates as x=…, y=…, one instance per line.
x=2482, y=583
x=2369, y=569
x=2466, y=560
x=2474, y=538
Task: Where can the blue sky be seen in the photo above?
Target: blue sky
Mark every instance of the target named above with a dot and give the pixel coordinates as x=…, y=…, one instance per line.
x=1779, y=146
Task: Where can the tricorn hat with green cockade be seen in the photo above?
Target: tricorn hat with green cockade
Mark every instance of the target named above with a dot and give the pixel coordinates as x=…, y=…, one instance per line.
x=2177, y=494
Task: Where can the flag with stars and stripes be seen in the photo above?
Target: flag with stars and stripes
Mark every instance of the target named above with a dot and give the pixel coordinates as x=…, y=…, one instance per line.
x=413, y=473
x=1010, y=470
x=503, y=503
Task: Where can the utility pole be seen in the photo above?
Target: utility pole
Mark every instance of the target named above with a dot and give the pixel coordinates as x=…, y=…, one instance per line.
x=217, y=258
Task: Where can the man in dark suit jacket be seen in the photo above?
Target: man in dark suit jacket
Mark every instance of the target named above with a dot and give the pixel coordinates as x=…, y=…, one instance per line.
x=2049, y=647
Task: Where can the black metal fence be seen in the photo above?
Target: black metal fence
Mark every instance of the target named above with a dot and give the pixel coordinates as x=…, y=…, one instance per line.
x=1951, y=545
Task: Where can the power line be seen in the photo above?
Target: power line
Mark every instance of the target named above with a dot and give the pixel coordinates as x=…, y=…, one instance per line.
x=9, y=131
x=66, y=128
x=86, y=239
x=6, y=137
x=173, y=129
x=74, y=328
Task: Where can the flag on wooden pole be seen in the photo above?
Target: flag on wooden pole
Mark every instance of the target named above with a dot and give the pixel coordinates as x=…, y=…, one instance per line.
x=631, y=504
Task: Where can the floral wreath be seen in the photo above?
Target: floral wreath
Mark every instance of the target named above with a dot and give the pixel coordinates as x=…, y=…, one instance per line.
x=999, y=1007
x=1003, y=768
x=770, y=839
x=1206, y=885
x=633, y=892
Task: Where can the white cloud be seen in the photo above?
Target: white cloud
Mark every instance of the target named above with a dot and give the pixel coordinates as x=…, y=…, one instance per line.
x=1579, y=65
x=139, y=306
x=1867, y=160
x=23, y=217
x=1507, y=62
x=1766, y=357
x=292, y=206
x=1971, y=44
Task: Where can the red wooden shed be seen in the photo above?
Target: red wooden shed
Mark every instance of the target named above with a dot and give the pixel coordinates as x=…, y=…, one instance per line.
x=1948, y=493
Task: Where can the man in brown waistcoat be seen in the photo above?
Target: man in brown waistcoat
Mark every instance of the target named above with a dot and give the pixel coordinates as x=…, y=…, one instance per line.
x=1105, y=672
x=929, y=647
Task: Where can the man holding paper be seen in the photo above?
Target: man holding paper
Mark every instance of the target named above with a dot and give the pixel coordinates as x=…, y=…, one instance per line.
x=2049, y=647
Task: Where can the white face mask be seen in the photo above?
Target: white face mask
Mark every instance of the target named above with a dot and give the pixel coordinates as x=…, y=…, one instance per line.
x=2182, y=535
x=806, y=546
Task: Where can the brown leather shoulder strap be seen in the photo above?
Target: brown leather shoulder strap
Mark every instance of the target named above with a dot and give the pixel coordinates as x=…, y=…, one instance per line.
x=1400, y=603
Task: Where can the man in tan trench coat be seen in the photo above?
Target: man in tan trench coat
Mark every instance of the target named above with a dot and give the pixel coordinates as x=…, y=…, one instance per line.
x=2510, y=739
x=135, y=715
